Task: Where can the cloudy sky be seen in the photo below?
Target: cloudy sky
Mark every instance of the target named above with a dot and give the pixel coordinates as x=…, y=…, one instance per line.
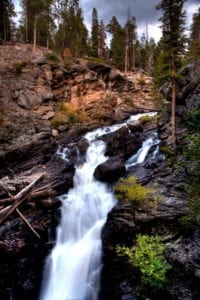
x=143, y=10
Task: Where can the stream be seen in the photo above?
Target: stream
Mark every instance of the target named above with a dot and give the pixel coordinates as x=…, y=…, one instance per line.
x=73, y=268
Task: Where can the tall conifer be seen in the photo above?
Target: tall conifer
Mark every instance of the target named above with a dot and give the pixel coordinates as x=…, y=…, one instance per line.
x=172, y=47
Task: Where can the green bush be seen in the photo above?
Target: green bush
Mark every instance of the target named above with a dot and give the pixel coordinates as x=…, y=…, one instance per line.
x=148, y=119
x=148, y=256
x=127, y=189
x=20, y=66
x=52, y=56
x=192, y=220
x=168, y=150
x=66, y=113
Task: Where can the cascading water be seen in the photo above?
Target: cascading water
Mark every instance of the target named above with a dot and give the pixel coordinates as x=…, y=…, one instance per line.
x=73, y=268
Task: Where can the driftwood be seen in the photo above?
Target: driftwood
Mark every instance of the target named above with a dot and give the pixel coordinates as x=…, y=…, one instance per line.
x=27, y=223
x=4, y=210
x=20, y=197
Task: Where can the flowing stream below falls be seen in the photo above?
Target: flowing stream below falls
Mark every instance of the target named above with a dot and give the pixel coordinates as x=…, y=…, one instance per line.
x=74, y=265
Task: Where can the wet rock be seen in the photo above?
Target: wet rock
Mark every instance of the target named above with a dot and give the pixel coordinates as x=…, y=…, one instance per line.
x=135, y=126
x=121, y=142
x=49, y=203
x=82, y=146
x=111, y=170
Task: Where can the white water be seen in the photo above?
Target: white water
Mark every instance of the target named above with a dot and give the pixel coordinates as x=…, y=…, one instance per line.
x=73, y=268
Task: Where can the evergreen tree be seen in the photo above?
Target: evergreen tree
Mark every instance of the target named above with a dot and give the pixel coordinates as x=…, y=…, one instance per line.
x=95, y=34
x=194, y=45
x=131, y=35
x=103, y=52
x=71, y=32
x=172, y=47
x=6, y=23
x=117, y=47
x=36, y=21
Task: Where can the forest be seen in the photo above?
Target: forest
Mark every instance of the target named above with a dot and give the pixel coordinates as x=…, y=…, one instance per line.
x=59, y=24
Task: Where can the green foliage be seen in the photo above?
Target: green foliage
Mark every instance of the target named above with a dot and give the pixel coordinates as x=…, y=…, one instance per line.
x=194, y=43
x=66, y=114
x=95, y=33
x=172, y=44
x=117, y=47
x=20, y=66
x=167, y=149
x=99, y=60
x=148, y=256
x=192, y=164
x=128, y=190
x=6, y=23
x=52, y=56
x=148, y=119
x=194, y=120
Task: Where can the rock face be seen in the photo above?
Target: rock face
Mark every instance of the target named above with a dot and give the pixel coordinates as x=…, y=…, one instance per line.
x=126, y=220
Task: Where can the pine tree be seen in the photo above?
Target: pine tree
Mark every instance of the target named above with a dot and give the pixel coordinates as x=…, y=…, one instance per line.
x=6, y=23
x=103, y=53
x=37, y=21
x=117, y=47
x=95, y=34
x=172, y=47
x=131, y=36
x=194, y=45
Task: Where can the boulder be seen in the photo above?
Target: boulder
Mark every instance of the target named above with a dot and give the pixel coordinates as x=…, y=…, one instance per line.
x=135, y=126
x=121, y=142
x=111, y=170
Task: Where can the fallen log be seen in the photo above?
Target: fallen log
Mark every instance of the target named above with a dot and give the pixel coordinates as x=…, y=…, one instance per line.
x=20, y=197
x=27, y=223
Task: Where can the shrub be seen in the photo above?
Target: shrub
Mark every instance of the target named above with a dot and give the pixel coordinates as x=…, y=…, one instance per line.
x=148, y=119
x=168, y=150
x=20, y=66
x=66, y=113
x=148, y=256
x=52, y=56
x=127, y=189
x=192, y=220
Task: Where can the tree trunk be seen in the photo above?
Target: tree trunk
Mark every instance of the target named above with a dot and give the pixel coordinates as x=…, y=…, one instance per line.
x=35, y=35
x=126, y=58
x=173, y=115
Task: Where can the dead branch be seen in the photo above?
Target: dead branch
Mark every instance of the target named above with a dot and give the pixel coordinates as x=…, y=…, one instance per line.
x=27, y=223
x=22, y=196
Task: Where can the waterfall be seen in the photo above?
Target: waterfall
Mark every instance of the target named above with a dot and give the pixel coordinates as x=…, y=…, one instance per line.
x=73, y=267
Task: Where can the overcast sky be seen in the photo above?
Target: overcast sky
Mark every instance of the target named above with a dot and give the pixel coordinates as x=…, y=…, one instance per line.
x=143, y=10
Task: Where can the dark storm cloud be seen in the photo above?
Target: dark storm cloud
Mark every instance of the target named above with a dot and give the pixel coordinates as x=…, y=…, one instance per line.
x=143, y=10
